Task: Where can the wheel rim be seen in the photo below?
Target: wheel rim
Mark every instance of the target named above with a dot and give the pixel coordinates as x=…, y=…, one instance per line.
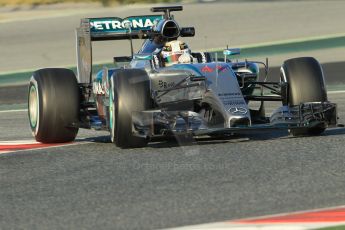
x=33, y=106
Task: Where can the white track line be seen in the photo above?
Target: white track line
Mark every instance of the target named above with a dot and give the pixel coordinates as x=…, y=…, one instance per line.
x=19, y=142
x=14, y=111
x=336, y=91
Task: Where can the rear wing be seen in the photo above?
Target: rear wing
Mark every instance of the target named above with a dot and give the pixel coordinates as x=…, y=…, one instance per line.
x=109, y=28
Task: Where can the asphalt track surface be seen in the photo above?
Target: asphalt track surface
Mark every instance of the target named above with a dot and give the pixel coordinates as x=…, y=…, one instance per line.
x=94, y=184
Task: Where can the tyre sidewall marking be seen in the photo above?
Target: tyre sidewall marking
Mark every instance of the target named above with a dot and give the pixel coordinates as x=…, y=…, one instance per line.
x=36, y=127
x=282, y=71
x=112, y=111
x=33, y=105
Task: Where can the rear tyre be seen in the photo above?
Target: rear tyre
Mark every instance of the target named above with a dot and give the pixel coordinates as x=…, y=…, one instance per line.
x=53, y=105
x=130, y=93
x=306, y=84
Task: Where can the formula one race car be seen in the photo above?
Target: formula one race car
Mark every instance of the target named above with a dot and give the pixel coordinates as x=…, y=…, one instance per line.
x=165, y=89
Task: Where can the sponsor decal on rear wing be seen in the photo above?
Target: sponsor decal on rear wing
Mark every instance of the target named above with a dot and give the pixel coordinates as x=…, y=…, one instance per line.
x=114, y=28
x=119, y=25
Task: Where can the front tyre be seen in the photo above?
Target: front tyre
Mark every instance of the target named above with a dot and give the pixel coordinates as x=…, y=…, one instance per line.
x=130, y=93
x=53, y=105
x=306, y=84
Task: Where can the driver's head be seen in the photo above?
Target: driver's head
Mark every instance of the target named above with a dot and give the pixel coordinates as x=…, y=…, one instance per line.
x=174, y=52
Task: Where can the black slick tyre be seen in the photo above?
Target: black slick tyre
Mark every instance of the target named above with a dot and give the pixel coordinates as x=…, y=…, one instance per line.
x=130, y=93
x=53, y=105
x=306, y=83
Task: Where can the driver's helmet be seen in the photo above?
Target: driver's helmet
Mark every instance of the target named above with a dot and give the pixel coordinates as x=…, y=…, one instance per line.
x=175, y=52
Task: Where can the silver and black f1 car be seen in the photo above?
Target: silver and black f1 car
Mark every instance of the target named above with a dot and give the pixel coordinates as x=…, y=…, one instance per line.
x=147, y=98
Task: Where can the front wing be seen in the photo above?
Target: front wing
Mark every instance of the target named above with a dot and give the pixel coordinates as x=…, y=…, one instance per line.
x=307, y=115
